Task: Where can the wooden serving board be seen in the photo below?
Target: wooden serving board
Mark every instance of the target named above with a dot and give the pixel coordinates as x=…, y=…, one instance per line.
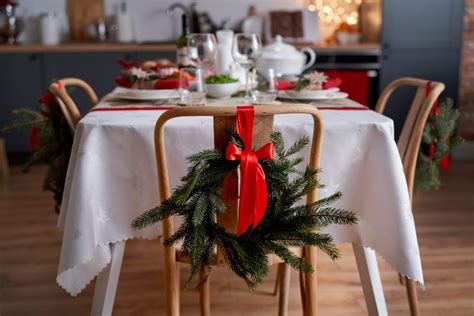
x=81, y=13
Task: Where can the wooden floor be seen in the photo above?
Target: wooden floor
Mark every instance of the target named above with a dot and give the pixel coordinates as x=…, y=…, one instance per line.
x=30, y=246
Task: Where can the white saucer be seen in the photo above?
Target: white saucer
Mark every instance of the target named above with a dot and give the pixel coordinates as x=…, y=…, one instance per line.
x=312, y=95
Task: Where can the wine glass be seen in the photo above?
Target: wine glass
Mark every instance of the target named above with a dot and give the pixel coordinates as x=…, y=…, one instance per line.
x=202, y=49
x=246, y=50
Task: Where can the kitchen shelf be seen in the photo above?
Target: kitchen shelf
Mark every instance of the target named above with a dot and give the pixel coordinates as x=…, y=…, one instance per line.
x=363, y=49
x=87, y=47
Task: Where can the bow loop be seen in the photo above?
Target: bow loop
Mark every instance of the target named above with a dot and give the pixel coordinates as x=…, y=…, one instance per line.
x=265, y=152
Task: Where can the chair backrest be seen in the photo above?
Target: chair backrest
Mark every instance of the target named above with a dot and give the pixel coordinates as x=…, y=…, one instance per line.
x=224, y=118
x=68, y=107
x=412, y=131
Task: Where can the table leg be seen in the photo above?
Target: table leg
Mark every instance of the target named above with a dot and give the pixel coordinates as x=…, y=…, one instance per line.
x=370, y=278
x=106, y=284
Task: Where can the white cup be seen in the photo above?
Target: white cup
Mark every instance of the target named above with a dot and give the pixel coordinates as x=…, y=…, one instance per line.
x=49, y=29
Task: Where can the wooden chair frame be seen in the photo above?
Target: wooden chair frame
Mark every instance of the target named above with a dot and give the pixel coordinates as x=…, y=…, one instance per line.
x=68, y=107
x=224, y=117
x=409, y=144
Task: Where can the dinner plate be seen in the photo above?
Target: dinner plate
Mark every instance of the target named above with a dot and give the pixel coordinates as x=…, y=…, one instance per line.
x=311, y=93
x=313, y=97
x=144, y=95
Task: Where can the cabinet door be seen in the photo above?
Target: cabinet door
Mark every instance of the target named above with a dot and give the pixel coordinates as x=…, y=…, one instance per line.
x=97, y=69
x=156, y=55
x=420, y=39
x=20, y=87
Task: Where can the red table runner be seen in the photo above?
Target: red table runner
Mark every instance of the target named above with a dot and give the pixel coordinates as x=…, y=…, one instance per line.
x=154, y=108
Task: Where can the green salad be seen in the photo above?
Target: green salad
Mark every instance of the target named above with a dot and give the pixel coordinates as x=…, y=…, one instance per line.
x=219, y=79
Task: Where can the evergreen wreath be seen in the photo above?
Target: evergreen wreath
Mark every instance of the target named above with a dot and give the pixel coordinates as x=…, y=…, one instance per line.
x=438, y=142
x=284, y=224
x=50, y=142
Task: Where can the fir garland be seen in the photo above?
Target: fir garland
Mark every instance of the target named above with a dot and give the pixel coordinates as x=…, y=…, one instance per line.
x=197, y=200
x=53, y=146
x=439, y=140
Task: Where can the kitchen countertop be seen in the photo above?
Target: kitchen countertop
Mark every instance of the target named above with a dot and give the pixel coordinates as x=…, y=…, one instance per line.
x=365, y=48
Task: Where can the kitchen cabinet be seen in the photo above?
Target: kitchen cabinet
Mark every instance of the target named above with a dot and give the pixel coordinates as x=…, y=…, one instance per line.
x=156, y=55
x=97, y=69
x=421, y=39
x=26, y=76
x=21, y=84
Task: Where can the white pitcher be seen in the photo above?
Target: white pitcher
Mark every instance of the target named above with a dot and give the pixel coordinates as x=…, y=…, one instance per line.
x=224, y=58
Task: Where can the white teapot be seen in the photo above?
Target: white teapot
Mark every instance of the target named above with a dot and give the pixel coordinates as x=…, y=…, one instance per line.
x=284, y=58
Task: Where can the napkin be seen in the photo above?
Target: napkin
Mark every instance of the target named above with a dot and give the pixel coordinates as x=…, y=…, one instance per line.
x=332, y=83
x=288, y=85
x=167, y=84
x=127, y=64
x=158, y=84
x=122, y=82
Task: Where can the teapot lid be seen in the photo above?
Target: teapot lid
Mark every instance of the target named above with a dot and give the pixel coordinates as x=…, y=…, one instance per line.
x=280, y=49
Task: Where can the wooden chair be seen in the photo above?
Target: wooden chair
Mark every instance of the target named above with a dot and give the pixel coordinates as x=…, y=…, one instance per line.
x=224, y=117
x=409, y=143
x=68, y=107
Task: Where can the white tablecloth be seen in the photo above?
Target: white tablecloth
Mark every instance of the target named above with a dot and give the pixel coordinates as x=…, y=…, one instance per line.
x=112, y=178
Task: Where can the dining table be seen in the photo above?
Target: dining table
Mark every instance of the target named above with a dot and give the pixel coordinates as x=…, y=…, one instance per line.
x=112, y=178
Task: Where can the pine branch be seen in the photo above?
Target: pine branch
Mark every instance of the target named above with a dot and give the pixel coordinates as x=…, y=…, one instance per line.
x=154, y=215
x=297, y=146
x=278, y=144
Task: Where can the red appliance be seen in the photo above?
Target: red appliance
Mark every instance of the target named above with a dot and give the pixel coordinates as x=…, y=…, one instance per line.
x=358, y=70
x=355, y=82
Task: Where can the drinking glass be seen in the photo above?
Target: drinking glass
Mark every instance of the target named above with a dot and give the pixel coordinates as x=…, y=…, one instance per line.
x=202, y=49
x=191, y=86
x=266, y=91
x=246, y=50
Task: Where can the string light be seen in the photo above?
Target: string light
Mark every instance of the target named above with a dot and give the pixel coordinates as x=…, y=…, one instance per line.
x=331, y=11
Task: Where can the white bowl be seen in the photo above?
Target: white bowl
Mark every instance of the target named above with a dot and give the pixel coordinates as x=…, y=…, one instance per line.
x=222, y=90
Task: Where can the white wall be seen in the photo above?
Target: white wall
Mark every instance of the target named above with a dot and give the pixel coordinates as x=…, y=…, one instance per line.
x=150, y=19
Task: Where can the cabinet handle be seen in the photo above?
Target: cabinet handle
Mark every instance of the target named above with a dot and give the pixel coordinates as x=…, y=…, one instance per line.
x=385, y=57
x=372, y=74
x=33, y=57
x=385, y=46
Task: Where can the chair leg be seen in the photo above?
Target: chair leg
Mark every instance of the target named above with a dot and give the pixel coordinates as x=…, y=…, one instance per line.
x=4, y=169
x=106, y=284
x=284, y=285
x=277, y=280
x=204, y=294
x=311, y=282
x=412, y=297
x=401, y=279
x=171, y=283
x=302, y=292
x=370, y=279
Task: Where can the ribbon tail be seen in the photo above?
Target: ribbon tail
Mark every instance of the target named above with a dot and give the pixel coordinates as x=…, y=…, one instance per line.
x=247, y=189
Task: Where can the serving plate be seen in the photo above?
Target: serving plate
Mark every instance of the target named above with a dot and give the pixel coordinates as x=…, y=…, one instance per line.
x=143, y=95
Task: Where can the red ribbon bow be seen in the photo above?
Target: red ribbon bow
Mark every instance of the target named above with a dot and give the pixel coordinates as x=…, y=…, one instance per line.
x=253, y=185
x=444, y=162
